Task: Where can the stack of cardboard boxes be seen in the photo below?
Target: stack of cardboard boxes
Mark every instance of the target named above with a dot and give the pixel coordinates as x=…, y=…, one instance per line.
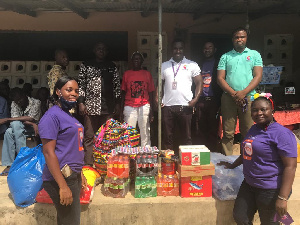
x=195, y=170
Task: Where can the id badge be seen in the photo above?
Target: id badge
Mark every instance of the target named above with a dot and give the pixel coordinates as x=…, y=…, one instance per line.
x=174, y=85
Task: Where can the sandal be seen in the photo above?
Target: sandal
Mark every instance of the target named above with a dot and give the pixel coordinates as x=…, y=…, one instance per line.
x=5, y=171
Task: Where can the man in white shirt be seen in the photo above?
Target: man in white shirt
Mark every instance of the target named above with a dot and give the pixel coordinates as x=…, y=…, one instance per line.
x=178, y=75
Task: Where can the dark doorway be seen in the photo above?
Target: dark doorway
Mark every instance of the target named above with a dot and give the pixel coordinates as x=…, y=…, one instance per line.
x=40, y=45
x=222, y=42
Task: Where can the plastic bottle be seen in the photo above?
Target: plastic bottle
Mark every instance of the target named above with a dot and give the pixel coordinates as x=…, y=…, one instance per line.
x=170, y=184
x=150, y=163
x=110, y=167
x=115, y=165
x=144, y=164
x=126, y=166
x=176, y=185
x=159, y=185
x=121, y=168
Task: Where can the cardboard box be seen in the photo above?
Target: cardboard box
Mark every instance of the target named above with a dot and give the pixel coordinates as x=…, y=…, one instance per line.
x=196, y=186
x=192, y=171
x=194, y=155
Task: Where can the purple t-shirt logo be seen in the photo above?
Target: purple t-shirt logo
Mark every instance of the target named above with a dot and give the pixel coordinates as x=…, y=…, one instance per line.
x=247, y=149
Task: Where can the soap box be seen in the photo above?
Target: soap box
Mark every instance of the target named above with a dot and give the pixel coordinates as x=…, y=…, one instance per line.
x=196, y=186
x=194, y=155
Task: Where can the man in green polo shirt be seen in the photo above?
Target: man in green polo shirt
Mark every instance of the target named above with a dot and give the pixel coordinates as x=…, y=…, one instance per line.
x=239, y=72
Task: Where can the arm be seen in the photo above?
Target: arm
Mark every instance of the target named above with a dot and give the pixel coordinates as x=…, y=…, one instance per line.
x=223, y=84
x=123, y=93
x=199, y=86
x=290, y=165
x=82, y=87
x=53, y=166
x=34, y=125
x=257, y=75
x=162, y=93
x=228, y=165
x=151, y=100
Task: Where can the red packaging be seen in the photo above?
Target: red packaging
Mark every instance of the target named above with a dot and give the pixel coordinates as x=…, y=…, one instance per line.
x=196, y=186
x=186, y=158
x=168, y=168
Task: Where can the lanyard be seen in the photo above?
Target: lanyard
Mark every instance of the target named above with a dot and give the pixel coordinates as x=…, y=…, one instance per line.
x=175, y=73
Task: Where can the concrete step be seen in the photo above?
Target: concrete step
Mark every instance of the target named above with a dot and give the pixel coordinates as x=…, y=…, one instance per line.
x=133, y=211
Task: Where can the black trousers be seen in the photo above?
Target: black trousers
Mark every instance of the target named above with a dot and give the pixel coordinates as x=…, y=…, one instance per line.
x=70, y=214
x=180, y=115
x=251, y=199
x=207, y=123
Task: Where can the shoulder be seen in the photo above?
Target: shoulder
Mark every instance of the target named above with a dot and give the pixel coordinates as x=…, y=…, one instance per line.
x=34, y=100
x=279, y=131
x=253, y=52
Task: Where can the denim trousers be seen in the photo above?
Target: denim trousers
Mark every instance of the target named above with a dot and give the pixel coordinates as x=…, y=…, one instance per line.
x=251, y=199
x=14, y=140
x=70, y=214
x=140, y=116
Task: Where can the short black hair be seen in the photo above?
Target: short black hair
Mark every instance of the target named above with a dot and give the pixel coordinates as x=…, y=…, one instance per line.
x=239, y=29
x=59, y=50
x=16, y=93
x=176, y=40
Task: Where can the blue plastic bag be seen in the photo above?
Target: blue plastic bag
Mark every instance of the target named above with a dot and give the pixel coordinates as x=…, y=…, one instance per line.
x=25, y=175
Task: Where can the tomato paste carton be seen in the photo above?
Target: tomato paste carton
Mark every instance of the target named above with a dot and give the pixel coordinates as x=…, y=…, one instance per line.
x=194, y=155
x=199, y=170
x=196, y=186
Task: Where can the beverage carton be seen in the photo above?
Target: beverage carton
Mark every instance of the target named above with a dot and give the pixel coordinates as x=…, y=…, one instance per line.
x=194, y=155
x=196, y=186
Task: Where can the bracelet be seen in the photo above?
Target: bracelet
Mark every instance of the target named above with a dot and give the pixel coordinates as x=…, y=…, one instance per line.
x=282, y=198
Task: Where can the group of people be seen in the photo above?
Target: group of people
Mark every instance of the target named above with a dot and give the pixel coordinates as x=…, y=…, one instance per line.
x=268, y=150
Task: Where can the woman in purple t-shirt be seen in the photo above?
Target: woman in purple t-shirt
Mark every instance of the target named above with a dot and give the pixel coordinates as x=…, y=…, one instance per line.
x=61, y=135
x=269, y=158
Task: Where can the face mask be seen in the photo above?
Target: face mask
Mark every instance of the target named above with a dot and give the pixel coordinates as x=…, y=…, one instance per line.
x=66, y=105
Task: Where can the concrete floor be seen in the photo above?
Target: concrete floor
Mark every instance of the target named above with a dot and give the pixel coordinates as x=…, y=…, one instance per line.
x=133, y=211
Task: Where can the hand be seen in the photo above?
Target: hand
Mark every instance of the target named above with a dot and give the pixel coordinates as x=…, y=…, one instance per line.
x=66, y=197
x=239, y=95
x=192, y=103
x=121, y=117
x=240, y=103
x=227, y=165
x=151, y=117
x=4, y=120
x=281, y=207
x=83, y=182
x=82, y=109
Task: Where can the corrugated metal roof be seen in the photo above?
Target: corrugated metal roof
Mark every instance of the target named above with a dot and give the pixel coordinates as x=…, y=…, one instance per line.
x=196, y=7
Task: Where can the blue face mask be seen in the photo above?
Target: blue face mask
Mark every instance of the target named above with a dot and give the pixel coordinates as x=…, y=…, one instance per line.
x=67, y=105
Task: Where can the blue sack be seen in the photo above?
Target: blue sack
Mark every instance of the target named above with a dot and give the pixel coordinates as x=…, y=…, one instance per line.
x=25, y=175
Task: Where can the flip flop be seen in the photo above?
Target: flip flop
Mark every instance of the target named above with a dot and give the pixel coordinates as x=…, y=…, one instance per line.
x=5, y=171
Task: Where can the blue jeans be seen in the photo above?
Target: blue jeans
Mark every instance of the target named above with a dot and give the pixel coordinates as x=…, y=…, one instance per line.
x=251, y=199
x=66, y=214
x=14, y=140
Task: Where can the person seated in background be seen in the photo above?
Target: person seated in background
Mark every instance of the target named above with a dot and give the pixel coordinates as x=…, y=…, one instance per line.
x=27, y=89
x=59, y=69
x=4, y=113
x=43, y=94
x=137, y=98
x=25, y=113
x=4, y=90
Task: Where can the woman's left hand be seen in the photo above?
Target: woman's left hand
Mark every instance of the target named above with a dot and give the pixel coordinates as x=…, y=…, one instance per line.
x=281, y=207
x=83, y=182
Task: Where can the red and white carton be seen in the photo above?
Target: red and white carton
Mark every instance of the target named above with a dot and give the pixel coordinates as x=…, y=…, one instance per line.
x=196, y=186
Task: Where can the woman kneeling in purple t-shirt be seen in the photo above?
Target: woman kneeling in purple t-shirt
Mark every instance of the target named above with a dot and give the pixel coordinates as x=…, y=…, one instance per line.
x=62, y=138
x=269, y=158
